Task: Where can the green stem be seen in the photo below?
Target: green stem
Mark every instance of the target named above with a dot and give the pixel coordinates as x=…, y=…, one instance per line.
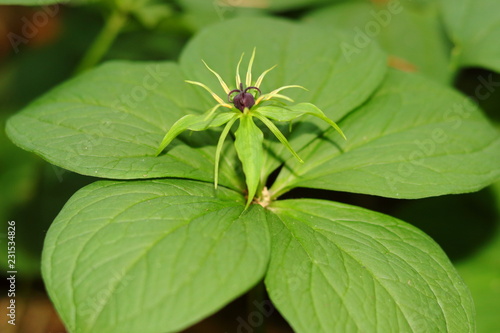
x=454, y=66
x=278, y=191
x=256, y=295
x=114, y=24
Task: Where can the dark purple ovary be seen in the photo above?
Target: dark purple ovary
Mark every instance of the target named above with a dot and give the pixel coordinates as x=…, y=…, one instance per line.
x=244, y=100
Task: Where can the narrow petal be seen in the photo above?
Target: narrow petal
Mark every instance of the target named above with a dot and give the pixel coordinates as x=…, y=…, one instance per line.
x=238, y=78
x=249, y=71
x=221, y=81
x=218, y=150
x=261, y=77
x=214, y=95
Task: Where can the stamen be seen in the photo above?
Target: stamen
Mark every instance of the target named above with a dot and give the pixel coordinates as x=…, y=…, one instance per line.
x=238, y=79
x=283, y=97
x=261, y=77
x=214, y=95
x=221, y=81
x=275, y=92
x=249, y=71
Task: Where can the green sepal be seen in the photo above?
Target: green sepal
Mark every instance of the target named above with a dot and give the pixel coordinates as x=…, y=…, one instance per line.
x=293, y=112
x=220, y=143
x=194, y=123
x=277, y=133
x=248, y=144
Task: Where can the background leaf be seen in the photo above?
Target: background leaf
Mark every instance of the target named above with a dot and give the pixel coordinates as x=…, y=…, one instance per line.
x=474, y=27
x=340, y=268
x=110, y=121
x=176, y=248
x=413, y=139
x=336, y=83
x=200, y=13
x=412, y=35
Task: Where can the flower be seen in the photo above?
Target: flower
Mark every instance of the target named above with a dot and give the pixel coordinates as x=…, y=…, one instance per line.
x=244, y=104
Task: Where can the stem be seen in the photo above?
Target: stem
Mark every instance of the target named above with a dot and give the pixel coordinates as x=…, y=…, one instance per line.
x=275, y=193
x=103, y=41
x=454, y=65
x=256, y=294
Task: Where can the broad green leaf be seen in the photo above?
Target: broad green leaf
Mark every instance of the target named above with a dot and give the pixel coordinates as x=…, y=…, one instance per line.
x=412, y=35
x=109, y=122
x=413, y=139
x=481, y=272
x=281, y=5
x=340, y=268
x=474, y=27
x=151, y=256
x=200, y=13
x=248, y=144
x=307, y=56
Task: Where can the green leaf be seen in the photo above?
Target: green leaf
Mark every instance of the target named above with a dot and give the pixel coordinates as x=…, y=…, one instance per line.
x=201, y=13
x=109, y=123
x=340, y=268
x=474, y=27
x=413, y=139
x=410, y=33
x=151, y=256
x=307, y=56
x=194, y=123
x=248, y=145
